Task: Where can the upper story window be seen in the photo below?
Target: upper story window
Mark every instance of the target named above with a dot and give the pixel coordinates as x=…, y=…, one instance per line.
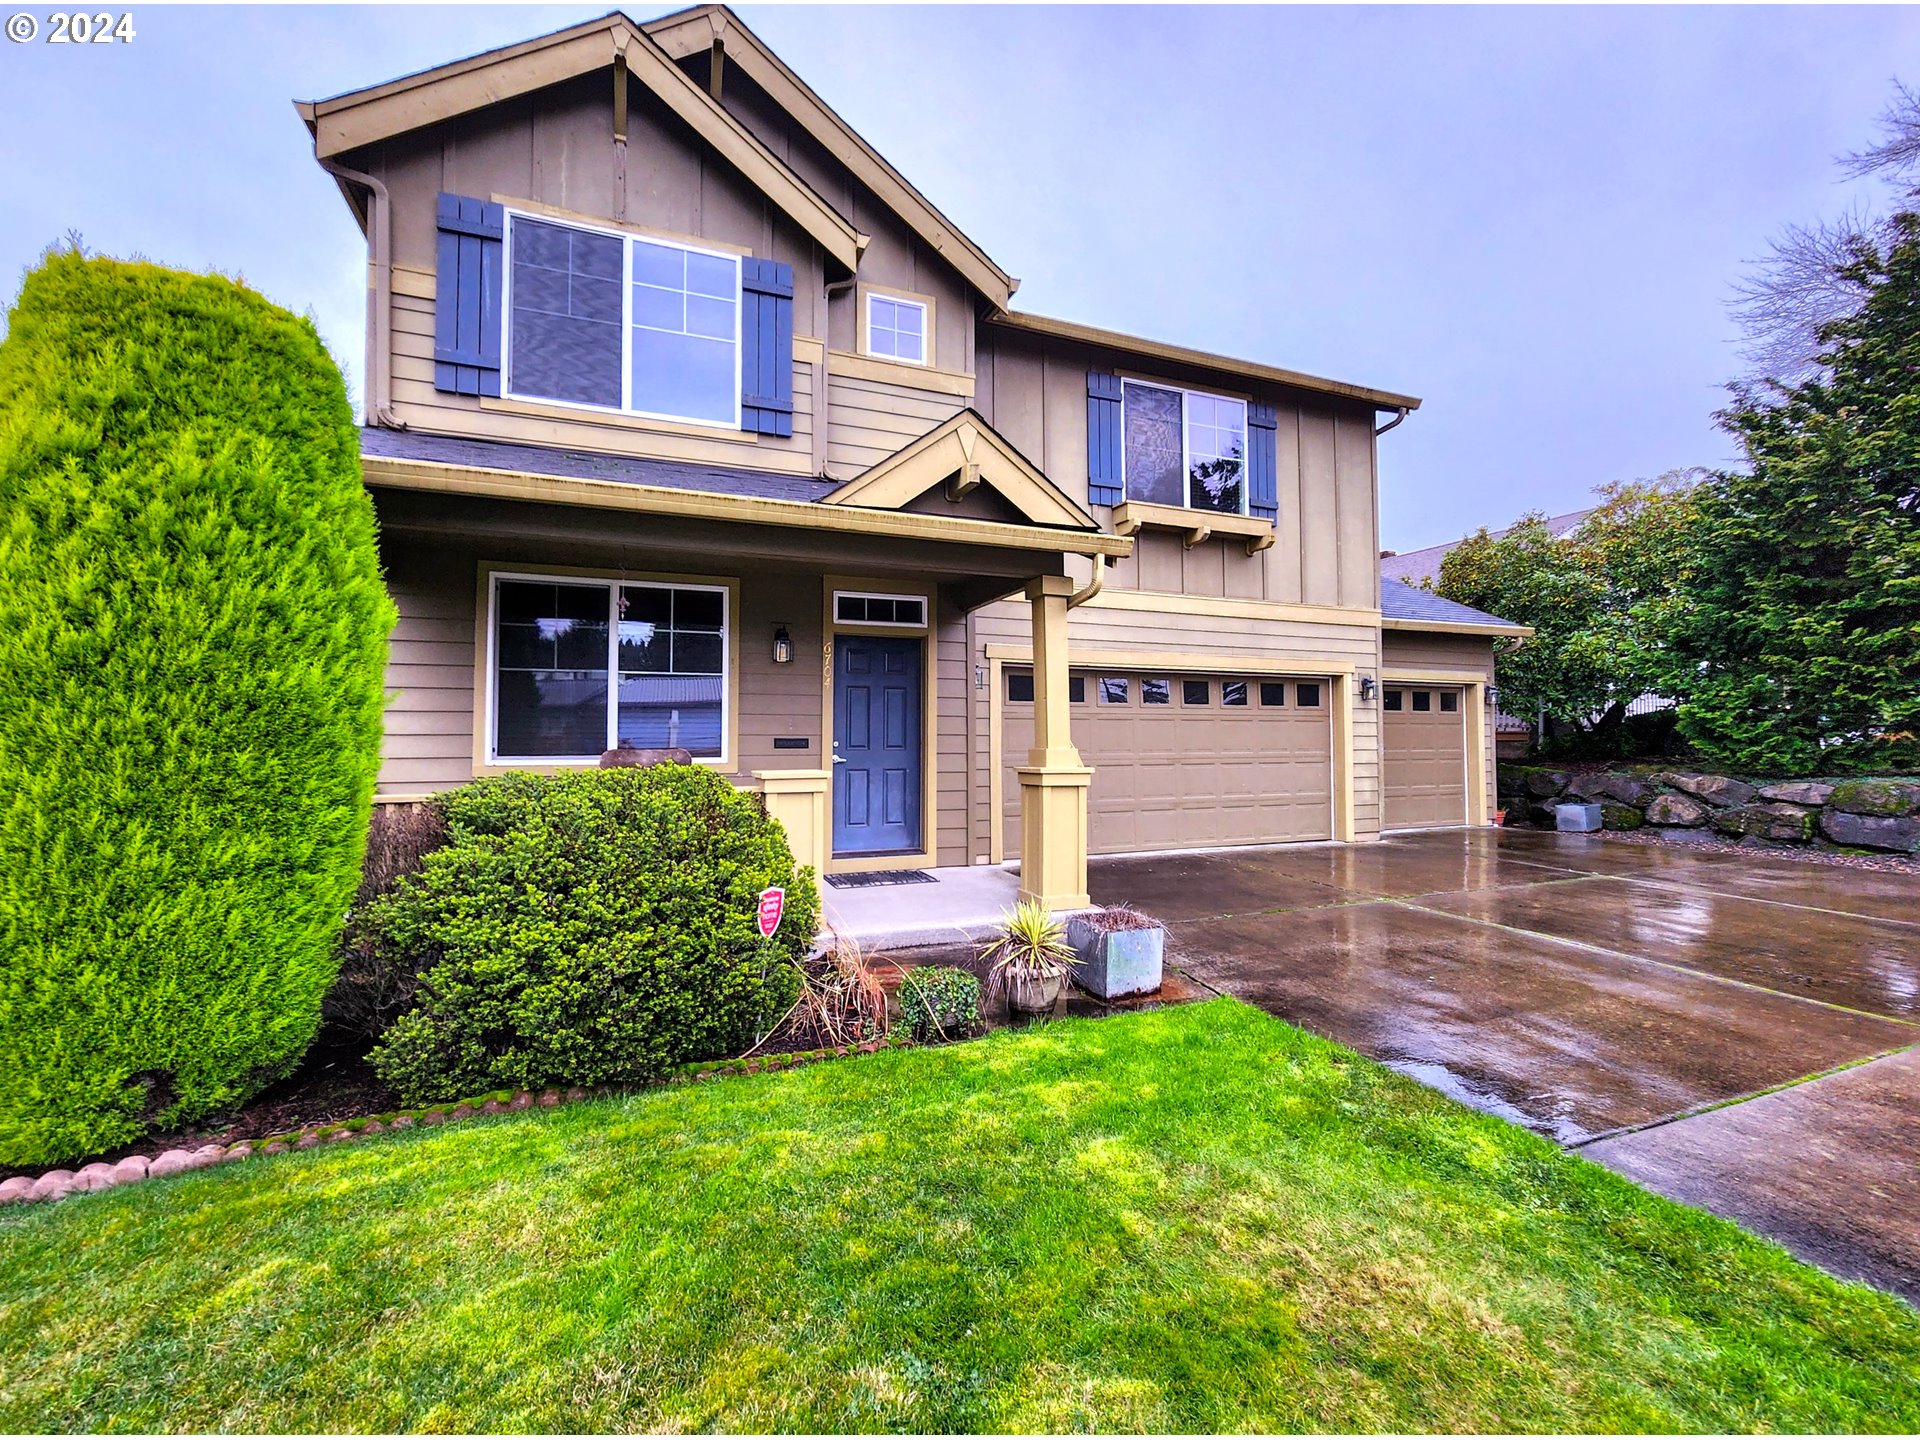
x=897, y=328
x=621, y=322
x=1184, y=447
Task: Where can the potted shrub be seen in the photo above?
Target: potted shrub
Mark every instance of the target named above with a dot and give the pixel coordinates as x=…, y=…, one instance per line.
x=1118, y=951
x=1030, y=960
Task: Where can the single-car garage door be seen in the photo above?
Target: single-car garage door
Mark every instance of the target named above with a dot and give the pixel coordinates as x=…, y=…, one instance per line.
x=1184, y=761
x=1425, y=757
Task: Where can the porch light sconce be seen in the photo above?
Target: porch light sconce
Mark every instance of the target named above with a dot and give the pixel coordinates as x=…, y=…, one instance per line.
x=1366, y=688
x=782, y=646
x=1493, y=698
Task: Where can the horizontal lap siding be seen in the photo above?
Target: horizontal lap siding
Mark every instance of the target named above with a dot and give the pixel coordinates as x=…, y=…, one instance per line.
x=429, y=722
x=868, y=420
x=425, y=408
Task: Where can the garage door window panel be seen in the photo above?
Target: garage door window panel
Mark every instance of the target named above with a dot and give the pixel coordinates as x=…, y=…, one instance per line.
x=1113, y=690
x=1233, y=692
x=1392, y=700
x=1195, y=692
x=1156, y=692
x=1273, y=693
x=1307, y=695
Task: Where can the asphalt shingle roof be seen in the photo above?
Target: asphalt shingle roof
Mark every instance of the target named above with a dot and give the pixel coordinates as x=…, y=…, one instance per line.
x=586, y=465
x=1407, y=602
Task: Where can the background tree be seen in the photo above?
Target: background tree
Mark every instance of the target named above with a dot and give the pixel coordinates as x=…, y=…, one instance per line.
x=1800, y=638
x=1599, y=600
x=192, y=644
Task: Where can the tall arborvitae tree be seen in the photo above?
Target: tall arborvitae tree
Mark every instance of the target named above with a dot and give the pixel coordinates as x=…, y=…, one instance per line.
x=192, y=638
x=1800, y=643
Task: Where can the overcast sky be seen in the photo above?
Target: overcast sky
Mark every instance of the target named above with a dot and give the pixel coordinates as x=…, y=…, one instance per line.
x=1529, y=217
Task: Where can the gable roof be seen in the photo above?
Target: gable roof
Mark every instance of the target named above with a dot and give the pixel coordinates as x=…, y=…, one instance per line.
x=363, y=117
x=965, y=448
x=1417, y=565
x=687, y=32
x=1407, y=607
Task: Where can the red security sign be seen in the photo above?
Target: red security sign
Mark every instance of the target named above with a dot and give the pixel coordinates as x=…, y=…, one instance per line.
x=772, y=903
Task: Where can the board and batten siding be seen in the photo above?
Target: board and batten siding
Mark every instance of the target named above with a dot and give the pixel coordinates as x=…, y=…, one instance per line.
x=1033, y=390
x=1468, y=654
x=555, y=149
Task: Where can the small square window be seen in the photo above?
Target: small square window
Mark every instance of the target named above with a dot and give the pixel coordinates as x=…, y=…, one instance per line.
x=1392, y=701
x=1076, y=689
x=1195, y=692
x=1422, y=701
x=1156, y=692
x=1020, y=686
x=1233, y=692
x=1113, y=690
x=1272, y=692
x=1306, y=694
x=1449, y=701
x=897, y=329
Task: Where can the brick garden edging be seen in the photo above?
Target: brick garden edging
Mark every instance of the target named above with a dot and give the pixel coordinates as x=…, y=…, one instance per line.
x=57, y=1184
x=1859, y=814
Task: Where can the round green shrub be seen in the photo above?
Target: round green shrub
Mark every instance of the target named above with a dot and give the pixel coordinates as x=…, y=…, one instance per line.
x=192, y=658
x=939, y=1002
x=589, y=927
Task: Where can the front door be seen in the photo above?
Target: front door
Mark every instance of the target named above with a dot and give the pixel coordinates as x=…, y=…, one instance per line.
x=876, y=745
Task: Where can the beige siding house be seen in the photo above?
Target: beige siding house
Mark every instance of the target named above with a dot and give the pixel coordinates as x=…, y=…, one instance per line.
x=692, y=424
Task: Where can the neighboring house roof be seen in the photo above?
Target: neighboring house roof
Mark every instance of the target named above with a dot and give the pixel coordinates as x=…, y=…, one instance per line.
x=586, y=465
x=1416, y=565
x=1406, y=607
x=1181, y=354
x=363, y=117
x=686, y=32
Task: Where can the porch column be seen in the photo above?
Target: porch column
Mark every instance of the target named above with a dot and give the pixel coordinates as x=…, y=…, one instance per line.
x=1053, y=782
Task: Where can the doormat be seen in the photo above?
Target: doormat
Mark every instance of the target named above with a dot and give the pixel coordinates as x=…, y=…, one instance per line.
x=880, y=877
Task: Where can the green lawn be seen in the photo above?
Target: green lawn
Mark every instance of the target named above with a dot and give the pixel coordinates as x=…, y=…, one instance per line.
x=1191, y=1219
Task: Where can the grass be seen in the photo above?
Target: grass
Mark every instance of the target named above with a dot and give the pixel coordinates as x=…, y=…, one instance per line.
x=1190, y=1219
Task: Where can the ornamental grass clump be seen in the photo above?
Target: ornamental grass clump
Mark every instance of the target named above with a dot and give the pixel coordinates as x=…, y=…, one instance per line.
x=589, y=928
x=192, y=660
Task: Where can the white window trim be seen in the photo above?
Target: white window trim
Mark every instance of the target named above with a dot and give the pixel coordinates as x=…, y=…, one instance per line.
x=626, y=407
x=920, y=600
x=926, y=340
x=722, y=761
x=1186, y=445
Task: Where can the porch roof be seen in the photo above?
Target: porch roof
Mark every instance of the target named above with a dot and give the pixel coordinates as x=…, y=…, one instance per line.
x=1407, y=607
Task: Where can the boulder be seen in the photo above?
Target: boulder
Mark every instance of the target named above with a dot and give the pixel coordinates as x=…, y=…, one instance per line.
x=1875, y=797
x=170, y=1162
x=208, y=1155
x=1545, y=784
x=1775, y=820
x=134, y=1167
x=1621, y=817
x=16, y=1190
x=97, y=1176
x=1542, y=817
x=1678, y=810
x=1872, y=832
x=1609, y=785
x=1798, y=792
x=1719, y=791
x=54, y=1185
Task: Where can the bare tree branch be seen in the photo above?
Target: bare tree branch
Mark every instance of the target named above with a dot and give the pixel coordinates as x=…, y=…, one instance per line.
x=1898, y=153
x=1797, y=288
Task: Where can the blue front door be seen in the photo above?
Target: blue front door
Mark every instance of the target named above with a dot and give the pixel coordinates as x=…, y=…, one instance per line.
x=876, y=745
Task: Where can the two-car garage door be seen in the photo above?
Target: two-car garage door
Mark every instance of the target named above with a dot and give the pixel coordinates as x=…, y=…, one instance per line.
x=1423, y=756
x=1185, y=761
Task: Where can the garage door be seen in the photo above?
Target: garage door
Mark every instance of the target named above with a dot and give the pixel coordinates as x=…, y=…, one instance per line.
x=1425, y=759
x=1185, y=761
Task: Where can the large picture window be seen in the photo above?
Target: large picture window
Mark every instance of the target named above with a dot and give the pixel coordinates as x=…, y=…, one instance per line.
x=622, y=322
x=1184, y=447
x=556, y=644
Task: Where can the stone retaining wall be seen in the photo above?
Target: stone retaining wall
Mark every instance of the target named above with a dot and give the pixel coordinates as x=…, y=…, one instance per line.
x=1855, y=814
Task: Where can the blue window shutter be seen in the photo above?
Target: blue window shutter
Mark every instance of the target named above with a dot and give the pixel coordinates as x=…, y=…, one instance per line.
x=766, y=347
x=1263, y=479
x=1103, y=438
x=466, y=289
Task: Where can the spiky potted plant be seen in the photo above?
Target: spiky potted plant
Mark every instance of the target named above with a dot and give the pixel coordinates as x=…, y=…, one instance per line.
x=1029, y=960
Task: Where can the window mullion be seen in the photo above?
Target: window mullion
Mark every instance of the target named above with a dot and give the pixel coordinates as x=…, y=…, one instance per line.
x=613, y=666
x=626, y=323
x=1186, y=451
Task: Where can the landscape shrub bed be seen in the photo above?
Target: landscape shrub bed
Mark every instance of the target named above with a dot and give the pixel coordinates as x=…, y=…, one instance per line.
x=588, y=928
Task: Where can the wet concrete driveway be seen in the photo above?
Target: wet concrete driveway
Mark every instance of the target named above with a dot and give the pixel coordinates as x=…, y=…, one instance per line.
x=1608, y=995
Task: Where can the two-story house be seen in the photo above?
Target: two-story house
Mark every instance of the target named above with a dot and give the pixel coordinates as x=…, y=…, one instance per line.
x=692, y=423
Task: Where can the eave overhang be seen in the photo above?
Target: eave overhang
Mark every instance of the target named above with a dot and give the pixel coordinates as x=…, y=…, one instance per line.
x=1457, y=627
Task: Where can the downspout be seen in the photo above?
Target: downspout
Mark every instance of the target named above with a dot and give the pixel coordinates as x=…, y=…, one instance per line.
x=1400, y=413
x=379, y=236
x=1092, y=587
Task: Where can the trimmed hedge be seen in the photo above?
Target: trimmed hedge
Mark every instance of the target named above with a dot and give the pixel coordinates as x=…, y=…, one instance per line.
x=586, y=928
x=192, y=653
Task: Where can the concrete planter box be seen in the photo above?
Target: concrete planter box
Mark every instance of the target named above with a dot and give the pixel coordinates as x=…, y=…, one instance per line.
x=1113, y=964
